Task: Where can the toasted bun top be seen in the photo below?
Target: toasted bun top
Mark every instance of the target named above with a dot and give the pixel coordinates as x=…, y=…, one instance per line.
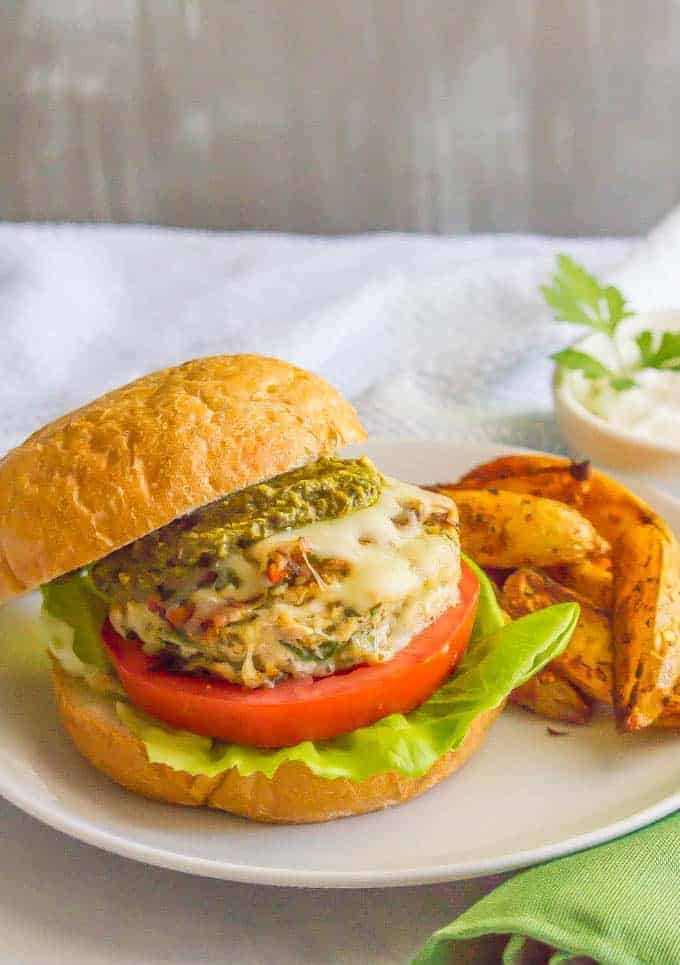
x=144, y=454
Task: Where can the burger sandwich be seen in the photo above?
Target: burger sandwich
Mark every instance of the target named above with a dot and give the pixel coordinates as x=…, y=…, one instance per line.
x=242, y=618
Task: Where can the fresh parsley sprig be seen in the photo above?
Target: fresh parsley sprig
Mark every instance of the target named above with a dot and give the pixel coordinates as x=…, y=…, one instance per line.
x=664, y=355
x=578, y=298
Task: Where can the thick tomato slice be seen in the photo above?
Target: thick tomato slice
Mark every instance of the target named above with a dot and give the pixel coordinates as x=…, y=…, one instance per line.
x=298, y=710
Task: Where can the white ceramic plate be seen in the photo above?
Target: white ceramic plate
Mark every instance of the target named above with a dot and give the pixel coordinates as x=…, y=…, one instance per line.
x=526, y=797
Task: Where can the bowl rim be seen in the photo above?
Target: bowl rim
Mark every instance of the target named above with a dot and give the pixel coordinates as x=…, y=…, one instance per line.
x=563, y=396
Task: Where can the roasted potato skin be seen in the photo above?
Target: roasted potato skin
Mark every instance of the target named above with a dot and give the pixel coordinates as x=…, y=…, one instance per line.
x=587, y=661
x=626, y=648
x=520, y=464
x=610, y=506
x=646, y=624
x=506, y=530
x=670, y=719
x=549, y=695
x=591, y=579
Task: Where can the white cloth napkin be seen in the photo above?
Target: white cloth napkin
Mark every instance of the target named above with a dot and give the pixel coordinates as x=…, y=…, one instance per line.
x=431, y=337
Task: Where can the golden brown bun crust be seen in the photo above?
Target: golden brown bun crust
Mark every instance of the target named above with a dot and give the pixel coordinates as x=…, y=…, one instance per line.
x=294, y=795
x=144, y=454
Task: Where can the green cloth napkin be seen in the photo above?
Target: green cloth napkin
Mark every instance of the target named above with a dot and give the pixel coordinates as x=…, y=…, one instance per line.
x=618, y=903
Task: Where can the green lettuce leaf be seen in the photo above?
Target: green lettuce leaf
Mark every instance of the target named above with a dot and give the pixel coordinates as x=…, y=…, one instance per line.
x=72, y=600
x=500, y=657
x=490, y=616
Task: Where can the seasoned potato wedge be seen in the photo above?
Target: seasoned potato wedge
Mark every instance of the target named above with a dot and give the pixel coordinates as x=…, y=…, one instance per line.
x=610, y=506
x=633, y=660
x=505, y=530
x=587, y=661
x=670, y=719
x=549, y=695
x=520, y=464
x=591, y=579
x=646, y=625
x=670, y=716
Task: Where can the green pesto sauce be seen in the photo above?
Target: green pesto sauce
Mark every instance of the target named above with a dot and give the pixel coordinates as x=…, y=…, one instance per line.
x=193, y=548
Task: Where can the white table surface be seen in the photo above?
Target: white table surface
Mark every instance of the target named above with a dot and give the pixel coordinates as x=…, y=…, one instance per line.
x=83, y=309
x=64, y=902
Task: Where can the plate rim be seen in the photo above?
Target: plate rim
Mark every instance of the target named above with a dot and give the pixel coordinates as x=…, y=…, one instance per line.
x=280, y=877
x=59, y=818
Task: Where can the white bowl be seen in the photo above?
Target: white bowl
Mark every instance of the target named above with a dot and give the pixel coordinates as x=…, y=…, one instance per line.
x=590, y=437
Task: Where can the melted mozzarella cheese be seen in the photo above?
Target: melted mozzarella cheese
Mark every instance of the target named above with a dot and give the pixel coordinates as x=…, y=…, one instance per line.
x=389, y=561
x=251, y=581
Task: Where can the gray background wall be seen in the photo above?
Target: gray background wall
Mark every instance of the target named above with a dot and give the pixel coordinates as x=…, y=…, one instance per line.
x=342, y=115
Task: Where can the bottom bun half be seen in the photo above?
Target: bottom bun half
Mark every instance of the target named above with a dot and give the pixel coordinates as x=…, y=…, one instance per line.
x=294, y=795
